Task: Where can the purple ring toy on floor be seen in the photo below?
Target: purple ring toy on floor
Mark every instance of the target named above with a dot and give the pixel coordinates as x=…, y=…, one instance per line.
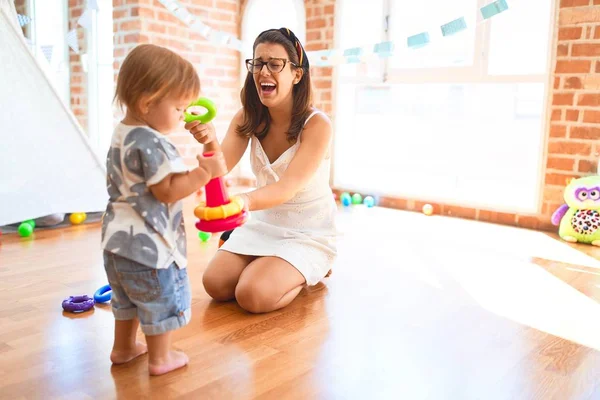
x=77, y=304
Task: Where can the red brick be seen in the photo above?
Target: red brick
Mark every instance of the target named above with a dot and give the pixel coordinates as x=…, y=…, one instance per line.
x=562, y=50
x=556, y=115
x=329, y=10
x=565, y=164
x=558, y=130
x=497, y=217
x=316, y=23
x=224, y=5
x=556, y=82
x=573, y=66
x=573, y=3
x=567, y=147
x=585, y=132
x=587, y=166
x=591, y=116
x=597, y=31
x=528, y=222
x=131, y=25
x=573, y=82
x=586, y=50
x=557, y=178
x=589, y=99
x=597, y=2
x=563, y=99
x=574, y=16
x=222, y=16
x=597, y=66
x=572, y=115
x=313, y=35
x=460, y=212
x=569, y=33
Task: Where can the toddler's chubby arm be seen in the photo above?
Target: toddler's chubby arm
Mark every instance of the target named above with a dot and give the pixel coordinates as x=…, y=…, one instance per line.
x=233, y=146
x=314, y=145
x=175, y=187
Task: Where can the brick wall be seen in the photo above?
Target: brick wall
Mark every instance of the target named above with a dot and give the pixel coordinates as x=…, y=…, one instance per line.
x=78, y=76
x=148, y=21
x=573, y=146
x=320, y=24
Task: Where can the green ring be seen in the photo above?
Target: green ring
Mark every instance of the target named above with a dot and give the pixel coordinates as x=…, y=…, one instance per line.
x=205, y=118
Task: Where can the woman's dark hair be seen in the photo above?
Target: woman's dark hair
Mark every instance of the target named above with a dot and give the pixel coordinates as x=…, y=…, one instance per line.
x=256, y=115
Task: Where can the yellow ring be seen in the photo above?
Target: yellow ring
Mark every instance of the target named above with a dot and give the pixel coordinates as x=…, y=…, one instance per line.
x=235, y=206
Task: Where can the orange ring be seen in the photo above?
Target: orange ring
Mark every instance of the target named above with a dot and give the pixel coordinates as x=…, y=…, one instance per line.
x=235, y=206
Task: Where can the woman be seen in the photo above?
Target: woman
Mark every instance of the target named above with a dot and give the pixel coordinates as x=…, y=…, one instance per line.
x=289, y=241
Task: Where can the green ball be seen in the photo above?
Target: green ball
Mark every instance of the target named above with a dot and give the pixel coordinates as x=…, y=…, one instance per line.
x=204, y=236
x=30, y=222
x=25, y=229
x=356, y=198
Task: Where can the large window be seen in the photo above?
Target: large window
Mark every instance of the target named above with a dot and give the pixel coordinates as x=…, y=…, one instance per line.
x=459, y=120
x=46, y=34
x=101, y=77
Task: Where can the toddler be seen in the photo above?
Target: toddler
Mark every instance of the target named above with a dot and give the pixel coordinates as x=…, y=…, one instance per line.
x=143, y=233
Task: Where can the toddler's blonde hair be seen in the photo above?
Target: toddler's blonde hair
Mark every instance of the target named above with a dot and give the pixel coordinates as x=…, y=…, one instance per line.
x=151, y=73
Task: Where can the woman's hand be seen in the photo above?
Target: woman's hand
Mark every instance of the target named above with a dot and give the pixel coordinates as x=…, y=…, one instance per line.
x=203, y=133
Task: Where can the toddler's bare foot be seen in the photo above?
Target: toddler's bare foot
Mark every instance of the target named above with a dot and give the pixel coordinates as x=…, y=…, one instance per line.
x=124, y=356
x=173, y=361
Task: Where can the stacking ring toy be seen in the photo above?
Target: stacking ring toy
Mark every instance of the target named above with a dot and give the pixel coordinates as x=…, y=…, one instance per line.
x=76, y=304
x=209, y=115
x=219, y=214
x=101, y=295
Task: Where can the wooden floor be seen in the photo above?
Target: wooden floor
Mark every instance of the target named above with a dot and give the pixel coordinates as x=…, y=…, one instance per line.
x=417, y=308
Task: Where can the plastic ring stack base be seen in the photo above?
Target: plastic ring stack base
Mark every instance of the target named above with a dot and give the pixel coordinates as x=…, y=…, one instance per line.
x=222, y=225
x=77, y=304
x=101, y=295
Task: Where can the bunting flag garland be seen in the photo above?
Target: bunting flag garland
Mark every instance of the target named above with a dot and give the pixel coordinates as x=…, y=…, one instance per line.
x=86, y=19
x=329, y=57
x=319, y=58
x=23, y=19
x=47, y=51
x=72, y=40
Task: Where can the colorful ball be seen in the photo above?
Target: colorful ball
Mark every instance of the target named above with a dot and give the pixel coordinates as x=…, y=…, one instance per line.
x=369, y=201
x=357, y=198
x=25, y=229
x=346, y=199
x=204, y=236
x=428, y=209
x=77, y=218
x=30, y=222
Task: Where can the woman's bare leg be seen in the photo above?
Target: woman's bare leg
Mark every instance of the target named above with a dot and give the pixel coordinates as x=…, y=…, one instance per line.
x=268, y=284
x=223, y=273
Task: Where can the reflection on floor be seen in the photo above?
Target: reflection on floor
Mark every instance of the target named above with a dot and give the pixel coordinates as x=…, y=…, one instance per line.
x=417, y=308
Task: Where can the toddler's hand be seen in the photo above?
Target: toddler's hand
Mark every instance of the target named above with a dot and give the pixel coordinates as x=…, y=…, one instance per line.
x=203, y=133
x=215, y=165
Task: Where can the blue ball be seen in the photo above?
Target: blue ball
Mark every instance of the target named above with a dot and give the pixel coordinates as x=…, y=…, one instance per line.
x=346, y=199
x=369, y=201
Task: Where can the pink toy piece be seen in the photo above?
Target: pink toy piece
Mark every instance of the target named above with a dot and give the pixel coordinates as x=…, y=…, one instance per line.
x=222, y=225
x=216, y=196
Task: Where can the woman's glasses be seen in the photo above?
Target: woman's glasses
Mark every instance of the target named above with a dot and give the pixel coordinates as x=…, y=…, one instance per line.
x=274, y=65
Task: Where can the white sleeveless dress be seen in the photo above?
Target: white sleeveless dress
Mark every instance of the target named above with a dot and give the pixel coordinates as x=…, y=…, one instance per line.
x=301, y=231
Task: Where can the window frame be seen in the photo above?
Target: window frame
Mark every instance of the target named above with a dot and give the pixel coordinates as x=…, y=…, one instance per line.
x=476, y=73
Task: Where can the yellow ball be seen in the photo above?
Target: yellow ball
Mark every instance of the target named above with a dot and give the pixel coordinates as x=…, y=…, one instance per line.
x=77, y=218
x=427, y=209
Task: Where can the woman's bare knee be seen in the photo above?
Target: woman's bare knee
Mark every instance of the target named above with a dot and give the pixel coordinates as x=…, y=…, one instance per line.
x=255, y=297
x=223, y=273
x=217, y=287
